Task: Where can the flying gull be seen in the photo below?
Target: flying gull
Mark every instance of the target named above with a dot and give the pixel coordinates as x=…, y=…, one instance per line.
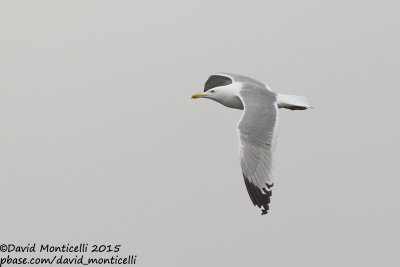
x=257, y=127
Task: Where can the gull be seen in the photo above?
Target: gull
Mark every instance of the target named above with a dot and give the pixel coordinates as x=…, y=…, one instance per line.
x=257, y=128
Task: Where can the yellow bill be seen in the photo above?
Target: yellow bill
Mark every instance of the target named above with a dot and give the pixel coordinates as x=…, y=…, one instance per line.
x=198, y=95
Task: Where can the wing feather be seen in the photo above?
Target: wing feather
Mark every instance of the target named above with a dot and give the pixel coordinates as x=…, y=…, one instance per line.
x=257, y=132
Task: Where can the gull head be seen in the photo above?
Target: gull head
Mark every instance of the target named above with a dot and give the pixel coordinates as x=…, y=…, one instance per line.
x=226, y=95
x=213, y=94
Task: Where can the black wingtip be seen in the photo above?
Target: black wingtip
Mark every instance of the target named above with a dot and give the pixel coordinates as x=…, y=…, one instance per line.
x=263, y=212
x=261, y=197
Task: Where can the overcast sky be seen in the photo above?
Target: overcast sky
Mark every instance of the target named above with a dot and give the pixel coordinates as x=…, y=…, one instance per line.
x=101, y=143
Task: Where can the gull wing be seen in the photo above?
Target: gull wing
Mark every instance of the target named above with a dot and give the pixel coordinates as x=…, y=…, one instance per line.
x=216, y=80
x=257, y=132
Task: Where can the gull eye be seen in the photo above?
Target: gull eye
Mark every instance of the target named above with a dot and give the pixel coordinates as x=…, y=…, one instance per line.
x=212, y=91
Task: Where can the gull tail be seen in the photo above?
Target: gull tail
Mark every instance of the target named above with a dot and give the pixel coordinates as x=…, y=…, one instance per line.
x=293, y=102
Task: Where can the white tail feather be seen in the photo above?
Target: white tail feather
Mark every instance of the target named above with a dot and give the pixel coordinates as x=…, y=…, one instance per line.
x=293, y=102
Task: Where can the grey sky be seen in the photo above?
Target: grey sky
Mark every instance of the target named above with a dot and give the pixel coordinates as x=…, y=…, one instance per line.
x=101, y=143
